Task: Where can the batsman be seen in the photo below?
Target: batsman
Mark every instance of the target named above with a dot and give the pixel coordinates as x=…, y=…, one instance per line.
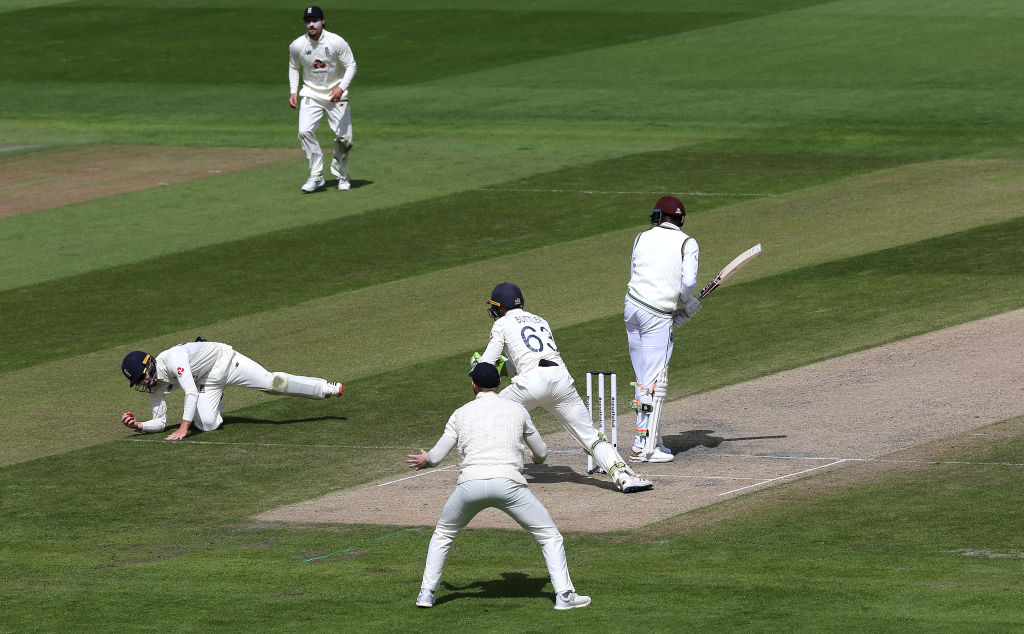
x=542, y=380
x=660, y=297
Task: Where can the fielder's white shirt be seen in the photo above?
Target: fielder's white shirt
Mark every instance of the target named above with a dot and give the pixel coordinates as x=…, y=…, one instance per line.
x=326, y=63
x=663, y=269
x=182, y=366
x=491, y=433
x=527, y=339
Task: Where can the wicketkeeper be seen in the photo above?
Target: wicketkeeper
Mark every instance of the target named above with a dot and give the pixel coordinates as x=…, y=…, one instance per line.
x=662, y=278
x=542, y=380
x=202, y=369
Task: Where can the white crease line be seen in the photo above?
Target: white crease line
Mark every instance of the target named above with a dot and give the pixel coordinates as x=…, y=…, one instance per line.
x=694, y=477
x=883, y=460
x=418, y=475
x=588, y=191
x=788, y=475
x=263, y=444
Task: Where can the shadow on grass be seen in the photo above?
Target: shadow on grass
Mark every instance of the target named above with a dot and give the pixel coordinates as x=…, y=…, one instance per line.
x=511, y=584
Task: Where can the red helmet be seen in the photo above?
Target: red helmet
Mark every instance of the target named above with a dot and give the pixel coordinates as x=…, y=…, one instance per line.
x=668, y=206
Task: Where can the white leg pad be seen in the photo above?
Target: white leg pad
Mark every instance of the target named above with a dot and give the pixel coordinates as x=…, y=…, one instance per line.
x=610, y=461
x=654, y=420
x=294, y=385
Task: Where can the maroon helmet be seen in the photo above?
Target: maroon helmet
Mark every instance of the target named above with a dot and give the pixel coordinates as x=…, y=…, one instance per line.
x=668, y=207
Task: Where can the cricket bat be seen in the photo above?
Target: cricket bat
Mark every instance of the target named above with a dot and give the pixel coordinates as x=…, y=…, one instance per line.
x=730, y=269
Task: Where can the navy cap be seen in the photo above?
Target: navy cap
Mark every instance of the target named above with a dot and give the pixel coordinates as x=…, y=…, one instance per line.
x=485, y=375
x=312, y=13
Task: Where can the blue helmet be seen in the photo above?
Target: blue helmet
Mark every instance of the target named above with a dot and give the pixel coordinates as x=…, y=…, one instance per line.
x=140, y=370
x=505, y=295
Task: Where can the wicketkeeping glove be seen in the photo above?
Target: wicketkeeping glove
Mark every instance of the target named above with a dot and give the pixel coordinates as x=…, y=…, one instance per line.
x=500, y=364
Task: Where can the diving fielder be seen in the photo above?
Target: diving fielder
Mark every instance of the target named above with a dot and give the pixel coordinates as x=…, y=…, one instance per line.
x=328, y=68
x=541, y=379
x=662, y=278
x=202, y=369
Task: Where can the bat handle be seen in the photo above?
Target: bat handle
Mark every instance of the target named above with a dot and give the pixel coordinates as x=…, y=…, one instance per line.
x=707, y=289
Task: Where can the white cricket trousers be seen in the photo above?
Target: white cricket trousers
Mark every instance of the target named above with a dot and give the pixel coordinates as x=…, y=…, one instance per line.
x=650, y=346
x=339, y=118
x=514, y=498
x=234, y=368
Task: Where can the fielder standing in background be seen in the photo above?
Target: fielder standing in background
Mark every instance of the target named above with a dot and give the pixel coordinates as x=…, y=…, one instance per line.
x=662, y=278
x=542, y=380
x=202, y=369
x=492, y=433
x=328, y=67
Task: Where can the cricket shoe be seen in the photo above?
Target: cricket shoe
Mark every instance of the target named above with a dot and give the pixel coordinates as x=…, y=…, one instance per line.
x=635, y=484
x=333, y=389
x=314, y=183
x=425, y=599
x=344, y=184
x=569, y=599
x=658, y=455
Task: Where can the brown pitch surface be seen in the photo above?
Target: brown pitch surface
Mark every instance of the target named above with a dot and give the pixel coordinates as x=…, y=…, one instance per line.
x=62, y=176
x=841, y=412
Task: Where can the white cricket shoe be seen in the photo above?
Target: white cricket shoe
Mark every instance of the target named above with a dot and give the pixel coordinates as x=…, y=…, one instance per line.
x=635, y=484
x=333, y=389
x=314, y=183
x=660, y=454
x=569, y=599
x=425, y=599
x=344, y=184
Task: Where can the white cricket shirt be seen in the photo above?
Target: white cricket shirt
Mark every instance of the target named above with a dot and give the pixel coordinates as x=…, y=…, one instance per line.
x=527, y=339
x=663, y=269
x=491, y=433
x=326, y=63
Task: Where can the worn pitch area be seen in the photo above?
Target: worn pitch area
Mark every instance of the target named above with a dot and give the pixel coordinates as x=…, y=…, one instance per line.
x=62, y=176
x=846, y=411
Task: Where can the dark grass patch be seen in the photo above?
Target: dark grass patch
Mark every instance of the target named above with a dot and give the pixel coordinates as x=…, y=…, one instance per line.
x=204, y=45
x=100, y=309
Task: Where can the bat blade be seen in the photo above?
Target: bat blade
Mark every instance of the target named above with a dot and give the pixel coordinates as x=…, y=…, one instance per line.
x=730, y=269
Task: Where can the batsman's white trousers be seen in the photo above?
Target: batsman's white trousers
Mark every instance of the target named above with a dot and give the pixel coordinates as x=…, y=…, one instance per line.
x=514, y=498
x=234, y=368
x=552, y=388
x=650, y=346
x=339, y=118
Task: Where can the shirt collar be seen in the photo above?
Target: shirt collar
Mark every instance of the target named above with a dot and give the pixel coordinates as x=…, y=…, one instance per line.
x=481, y=394
x=669, y=225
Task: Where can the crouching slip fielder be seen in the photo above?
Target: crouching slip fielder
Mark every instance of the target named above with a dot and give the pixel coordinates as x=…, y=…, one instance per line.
x=202, y=369
x=541, y=379
x=492, y=434
x=662, y=277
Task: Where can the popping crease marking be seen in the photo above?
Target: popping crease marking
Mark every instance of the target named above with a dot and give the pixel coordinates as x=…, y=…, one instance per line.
x=788, y=475
x=264, y=444
x=883, y=460
x=418, y=475
x=593, y=191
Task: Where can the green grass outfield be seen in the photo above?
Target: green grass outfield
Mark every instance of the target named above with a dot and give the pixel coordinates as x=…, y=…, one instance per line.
x=874, y=148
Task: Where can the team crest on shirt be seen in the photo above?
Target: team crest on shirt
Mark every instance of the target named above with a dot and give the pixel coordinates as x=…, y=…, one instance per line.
x=181, y=371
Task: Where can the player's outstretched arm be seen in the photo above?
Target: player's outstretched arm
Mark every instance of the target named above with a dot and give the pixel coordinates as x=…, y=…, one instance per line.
x=181, y=431
x=417, y=461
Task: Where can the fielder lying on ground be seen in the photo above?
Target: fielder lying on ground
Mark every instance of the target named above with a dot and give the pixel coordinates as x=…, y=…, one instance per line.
x=202, y=369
